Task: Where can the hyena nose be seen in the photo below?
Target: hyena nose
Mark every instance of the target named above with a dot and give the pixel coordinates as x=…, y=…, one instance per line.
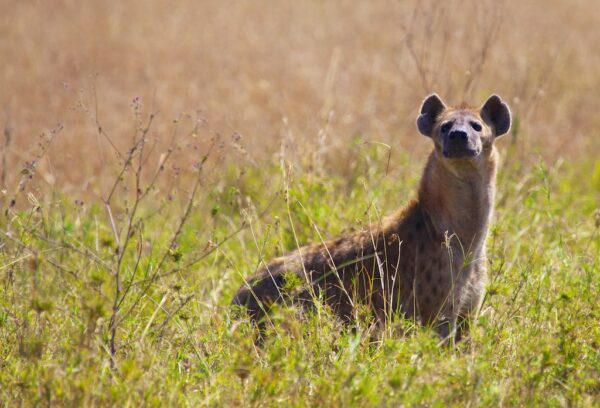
x=458, y=135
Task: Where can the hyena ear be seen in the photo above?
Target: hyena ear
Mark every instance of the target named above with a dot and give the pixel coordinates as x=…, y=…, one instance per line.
x=430, y=110
x=496, y=113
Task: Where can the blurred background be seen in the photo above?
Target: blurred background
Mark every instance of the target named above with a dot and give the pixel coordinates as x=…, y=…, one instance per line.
x=305, y=79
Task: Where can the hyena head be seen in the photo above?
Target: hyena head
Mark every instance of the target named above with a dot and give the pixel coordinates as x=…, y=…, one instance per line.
x=462, y=133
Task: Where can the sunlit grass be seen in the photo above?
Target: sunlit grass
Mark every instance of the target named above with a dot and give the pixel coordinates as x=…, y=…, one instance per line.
x=154, y=155
x=535, y=341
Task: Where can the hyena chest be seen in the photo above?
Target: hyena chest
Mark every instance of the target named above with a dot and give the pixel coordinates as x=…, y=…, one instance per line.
x=432, y=283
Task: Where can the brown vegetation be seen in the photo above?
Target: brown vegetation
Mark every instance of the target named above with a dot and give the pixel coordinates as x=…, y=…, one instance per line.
x=290, y=74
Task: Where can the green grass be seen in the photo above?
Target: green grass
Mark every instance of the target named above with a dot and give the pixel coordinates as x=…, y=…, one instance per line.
x=536, y=341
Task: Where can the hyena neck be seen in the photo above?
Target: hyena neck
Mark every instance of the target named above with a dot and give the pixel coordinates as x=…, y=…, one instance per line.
x=459, y=198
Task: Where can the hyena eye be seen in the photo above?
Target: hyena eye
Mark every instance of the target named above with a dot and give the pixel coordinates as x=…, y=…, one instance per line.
x=476, y=126
x=446, y=127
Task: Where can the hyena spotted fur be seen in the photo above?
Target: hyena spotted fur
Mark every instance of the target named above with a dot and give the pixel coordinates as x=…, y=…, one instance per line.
x=428, y=260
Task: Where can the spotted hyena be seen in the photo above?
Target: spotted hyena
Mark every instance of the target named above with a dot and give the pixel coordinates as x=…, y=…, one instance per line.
x=428, y=260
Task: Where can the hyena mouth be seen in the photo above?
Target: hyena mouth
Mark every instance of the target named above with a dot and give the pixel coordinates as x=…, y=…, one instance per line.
x=462, y=153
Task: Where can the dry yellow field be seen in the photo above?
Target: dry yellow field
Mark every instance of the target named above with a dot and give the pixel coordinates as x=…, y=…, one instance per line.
x=311, y=75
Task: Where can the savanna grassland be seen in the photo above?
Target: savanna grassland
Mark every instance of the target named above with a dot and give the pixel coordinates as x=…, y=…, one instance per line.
x=154, y=154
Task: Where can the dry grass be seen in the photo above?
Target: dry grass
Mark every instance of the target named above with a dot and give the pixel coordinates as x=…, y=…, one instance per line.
x=311, y=75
